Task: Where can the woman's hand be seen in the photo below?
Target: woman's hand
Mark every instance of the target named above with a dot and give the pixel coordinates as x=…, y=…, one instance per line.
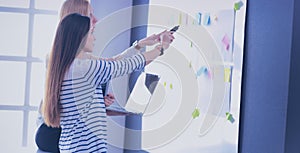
x=166, y=38
x=151, y=40
x=109, y=99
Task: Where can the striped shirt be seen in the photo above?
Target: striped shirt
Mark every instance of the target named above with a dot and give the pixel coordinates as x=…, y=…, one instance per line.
x=83, y=113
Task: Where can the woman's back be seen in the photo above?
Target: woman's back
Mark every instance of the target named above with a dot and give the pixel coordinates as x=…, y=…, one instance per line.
x=83, y=113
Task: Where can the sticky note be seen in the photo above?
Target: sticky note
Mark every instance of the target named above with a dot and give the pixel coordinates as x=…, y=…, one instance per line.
x=238, y=5
x=229, y=117
x=206, y=19
x=165, y=84
x=171, y=86
x=227, y=74
x=201, y=70
x=226, y=42
x=208, y=73
x=196, y=113
x=215, y=18
x=180, y=18
x=199, y=18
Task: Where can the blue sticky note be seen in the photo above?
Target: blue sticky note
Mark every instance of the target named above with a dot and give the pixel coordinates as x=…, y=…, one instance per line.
x=199, y=18
x=207, y=19
x=201, y=70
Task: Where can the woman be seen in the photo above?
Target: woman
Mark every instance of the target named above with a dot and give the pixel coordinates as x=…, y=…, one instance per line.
x=72, y=93
x=47, y=137
x=83, y=7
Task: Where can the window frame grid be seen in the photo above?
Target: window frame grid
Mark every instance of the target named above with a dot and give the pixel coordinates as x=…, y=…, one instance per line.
x=26, y=108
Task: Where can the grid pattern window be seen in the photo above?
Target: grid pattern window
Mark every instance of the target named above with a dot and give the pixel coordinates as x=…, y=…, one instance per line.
x=27, y=33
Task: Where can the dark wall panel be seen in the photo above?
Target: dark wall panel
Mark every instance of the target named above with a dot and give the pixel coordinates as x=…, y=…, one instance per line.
x=265, y=84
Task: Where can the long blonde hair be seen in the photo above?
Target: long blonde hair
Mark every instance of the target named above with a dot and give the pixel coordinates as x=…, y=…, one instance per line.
x=75, y=6
x=82, y=7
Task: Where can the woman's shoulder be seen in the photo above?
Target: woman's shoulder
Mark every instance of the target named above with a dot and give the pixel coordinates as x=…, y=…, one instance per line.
x=81, y=63
x=82, y=67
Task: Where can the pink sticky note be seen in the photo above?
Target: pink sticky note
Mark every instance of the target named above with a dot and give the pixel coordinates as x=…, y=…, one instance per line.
x=209, y=74
x=226, y=41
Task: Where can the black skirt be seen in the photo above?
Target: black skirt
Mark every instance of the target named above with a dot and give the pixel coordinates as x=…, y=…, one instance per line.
x=47, y=138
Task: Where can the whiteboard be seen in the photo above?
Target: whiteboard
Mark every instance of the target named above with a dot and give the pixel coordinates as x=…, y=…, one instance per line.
x=205, y=56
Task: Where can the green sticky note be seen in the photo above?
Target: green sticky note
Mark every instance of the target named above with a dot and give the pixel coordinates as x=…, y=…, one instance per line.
x=238, y=5
x=165, y=84
x=229, y=117
x=196, y=113
x=171, y=86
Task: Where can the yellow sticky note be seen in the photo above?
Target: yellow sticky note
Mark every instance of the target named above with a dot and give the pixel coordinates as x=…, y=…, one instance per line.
x=180, y=18
x=227, y=74
x=165, y=84
x=171, y=86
